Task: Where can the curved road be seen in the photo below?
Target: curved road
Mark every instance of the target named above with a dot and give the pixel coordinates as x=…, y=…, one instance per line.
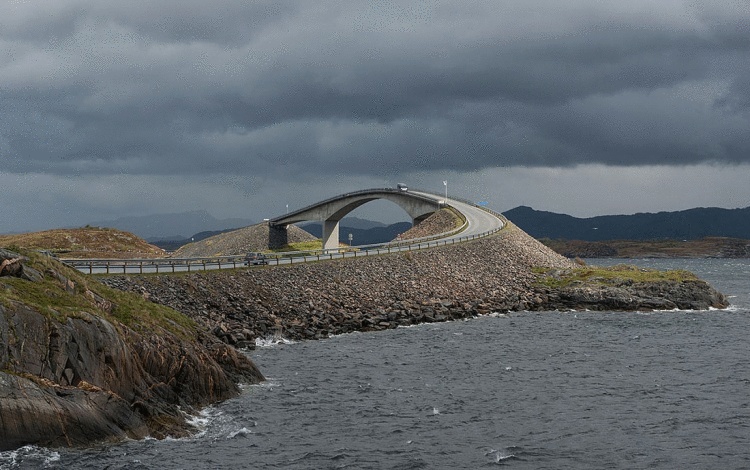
x=479, y=222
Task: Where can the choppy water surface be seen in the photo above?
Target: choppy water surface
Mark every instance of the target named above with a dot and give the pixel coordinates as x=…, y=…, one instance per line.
x=527, y=390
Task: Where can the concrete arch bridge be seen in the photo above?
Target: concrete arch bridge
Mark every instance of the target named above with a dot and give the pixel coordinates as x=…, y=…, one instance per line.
x=418, y=205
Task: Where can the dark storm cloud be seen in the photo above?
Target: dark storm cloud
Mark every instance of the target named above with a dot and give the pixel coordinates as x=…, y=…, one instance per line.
x=296, y=87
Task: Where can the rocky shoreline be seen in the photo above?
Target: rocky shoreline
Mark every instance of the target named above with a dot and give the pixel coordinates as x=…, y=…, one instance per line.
x=83, y=363
x=313, y=301
x=73, y=373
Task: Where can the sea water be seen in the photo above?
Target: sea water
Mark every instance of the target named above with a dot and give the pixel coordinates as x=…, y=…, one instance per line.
x=524, y=390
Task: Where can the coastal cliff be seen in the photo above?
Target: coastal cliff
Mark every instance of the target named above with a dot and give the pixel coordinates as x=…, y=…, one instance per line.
x=81, y=363
x=500, y=273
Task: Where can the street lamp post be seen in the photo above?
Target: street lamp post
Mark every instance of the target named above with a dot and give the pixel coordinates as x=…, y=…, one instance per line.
x=445, y=183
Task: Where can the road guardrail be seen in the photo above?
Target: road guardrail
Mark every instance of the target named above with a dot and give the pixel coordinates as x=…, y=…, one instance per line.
x=164, y=265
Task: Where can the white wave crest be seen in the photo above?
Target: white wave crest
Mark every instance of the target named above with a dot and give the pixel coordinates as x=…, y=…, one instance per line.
x=240, y=432
x=499, y=455
x=497, y=315
x=39, y=457
x=272, y=341
x=202, y=421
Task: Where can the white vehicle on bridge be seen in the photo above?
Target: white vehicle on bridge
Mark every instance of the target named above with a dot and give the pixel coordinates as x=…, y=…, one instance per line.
x=401, y=187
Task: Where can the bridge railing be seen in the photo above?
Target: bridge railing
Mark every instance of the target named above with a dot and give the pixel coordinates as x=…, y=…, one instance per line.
x=161, y=265
x=449, y=233
x=469, y=202
x=370, y=250
x=340, y=196
x=158, y=265
x=166, y=265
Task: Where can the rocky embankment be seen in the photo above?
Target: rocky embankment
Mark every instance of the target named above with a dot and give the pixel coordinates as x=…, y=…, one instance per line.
x=441, y=221
x=238, y=242
x=494, y=274
x=82, y=363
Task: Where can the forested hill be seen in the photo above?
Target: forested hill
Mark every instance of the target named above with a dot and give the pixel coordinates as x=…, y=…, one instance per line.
x=684, y=225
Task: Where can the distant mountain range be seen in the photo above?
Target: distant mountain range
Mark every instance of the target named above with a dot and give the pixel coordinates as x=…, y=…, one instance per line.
x=689, y=224
x=363, y=233
x=356, y=223
x=171, y=231
x=176, y=226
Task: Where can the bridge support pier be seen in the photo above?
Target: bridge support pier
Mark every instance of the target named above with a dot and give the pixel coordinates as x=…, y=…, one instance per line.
x=278, y=237
x=330, y=234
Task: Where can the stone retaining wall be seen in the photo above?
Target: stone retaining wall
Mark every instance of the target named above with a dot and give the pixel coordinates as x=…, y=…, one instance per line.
x=256, y=237
x=441, y=221
x=315, y=300
x=357, y=294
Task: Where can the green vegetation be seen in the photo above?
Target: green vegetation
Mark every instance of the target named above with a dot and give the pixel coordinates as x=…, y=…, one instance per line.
x=309, y=248
x=136, y=312
x=306, y=248
x=312, y=245
x=66, y=293
x=458, y=218
x=608, y=275
x=85, y=242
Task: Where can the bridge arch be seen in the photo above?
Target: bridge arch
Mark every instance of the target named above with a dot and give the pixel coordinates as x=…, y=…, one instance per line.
x=419, y=206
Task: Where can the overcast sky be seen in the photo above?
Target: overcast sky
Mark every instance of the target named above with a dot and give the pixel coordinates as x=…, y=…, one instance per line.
x=112, y=108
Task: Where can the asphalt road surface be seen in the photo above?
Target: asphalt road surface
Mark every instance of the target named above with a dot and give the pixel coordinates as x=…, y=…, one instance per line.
x=479, y=222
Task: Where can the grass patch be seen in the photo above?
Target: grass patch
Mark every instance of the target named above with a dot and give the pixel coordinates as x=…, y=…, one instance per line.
x=136, y=312
x=59, y=300
x=308, y=248
x=47, y=297
x=458, y=218
x=84, y=242
x=554, y=278
x=311, y=245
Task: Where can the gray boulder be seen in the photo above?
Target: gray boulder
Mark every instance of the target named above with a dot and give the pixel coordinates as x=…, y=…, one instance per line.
x=13, y=264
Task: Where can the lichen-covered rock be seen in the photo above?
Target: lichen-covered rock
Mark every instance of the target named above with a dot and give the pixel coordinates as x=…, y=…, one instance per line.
x=36, y=411
x=109, y=382
x=79, y=378
x=12, y=264
x=629, y=296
